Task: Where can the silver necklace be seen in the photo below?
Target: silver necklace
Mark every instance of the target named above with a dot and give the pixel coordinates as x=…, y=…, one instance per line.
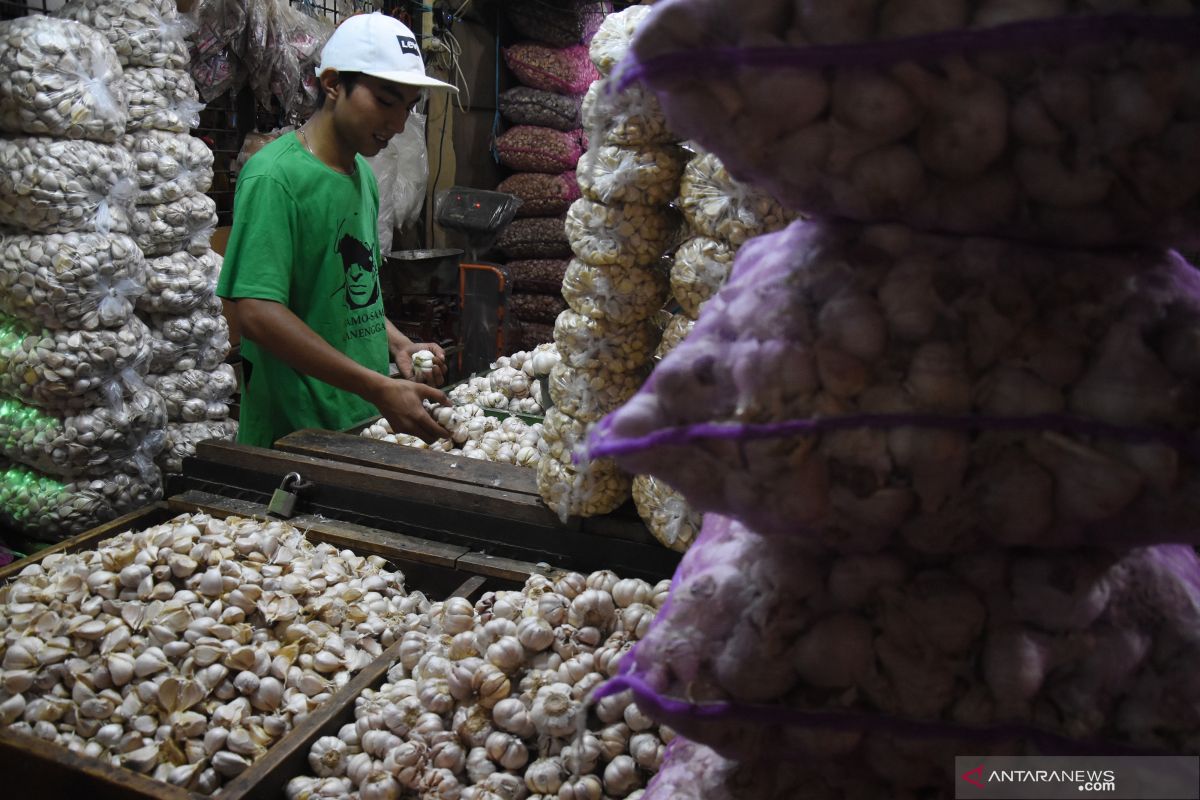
x=303, y=136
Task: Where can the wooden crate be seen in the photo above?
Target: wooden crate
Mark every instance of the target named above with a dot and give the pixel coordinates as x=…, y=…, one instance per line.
x=36, y=768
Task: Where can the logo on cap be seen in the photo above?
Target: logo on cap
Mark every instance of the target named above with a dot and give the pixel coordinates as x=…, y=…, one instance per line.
x=409, y=45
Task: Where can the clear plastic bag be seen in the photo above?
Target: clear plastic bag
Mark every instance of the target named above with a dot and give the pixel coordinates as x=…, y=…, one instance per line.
x=621, y=236
x=59, y=185
x=79, y=281
x=701, y=267
x=1065, y=125
x=677, y=329
x=71, y=370
x=402, y=173
x=587, y=394
x=185, y=224
x=144, y=33
x=618, y=295
x=196, y=395
x=182, y=439
x=178, y=283
x=647, y=176
x=591, y=344
x=612, y=39
x=631, y=117
x=162, y=99
x=296, y=40
x=717, y=206
x=576, y=488
x=857, y=387
x=670, y=519
x=198, y=340
x=93, y=442
x=59, y=78
x=168, y=166
x=42, y=506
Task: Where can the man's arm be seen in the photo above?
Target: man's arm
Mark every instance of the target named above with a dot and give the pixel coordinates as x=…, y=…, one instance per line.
x=402, y=349
x=274, y=328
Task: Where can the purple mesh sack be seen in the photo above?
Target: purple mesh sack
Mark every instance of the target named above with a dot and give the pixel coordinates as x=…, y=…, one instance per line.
x=523, y=105
x=561, y=24
x=564, y=70
x=762, y=647
x=527, y=148
x=854, y=385
x=965, y=118
x=542, y=195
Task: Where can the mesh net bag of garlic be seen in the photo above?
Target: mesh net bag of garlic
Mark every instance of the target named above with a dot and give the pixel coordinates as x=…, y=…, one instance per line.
x=65, y=371
x=168, y=166
x=890, y=639
x=59, y=78
x=255, y=628
x=570, y=487
x=143, y=33
x=1076, y=130
x=81, y=281
x=490, y=701
x=196, y=395
x=91, y=442
x=941, y=392
x=60, y=185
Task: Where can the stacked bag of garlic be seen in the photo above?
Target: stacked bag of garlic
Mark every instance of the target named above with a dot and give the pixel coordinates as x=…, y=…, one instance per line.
x=542, y=147
x=172, y=219
x=79, y=428
x=945, y=451
x=618, y=230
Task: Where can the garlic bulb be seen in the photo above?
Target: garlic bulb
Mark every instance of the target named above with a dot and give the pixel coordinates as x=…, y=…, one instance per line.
x=422, y=362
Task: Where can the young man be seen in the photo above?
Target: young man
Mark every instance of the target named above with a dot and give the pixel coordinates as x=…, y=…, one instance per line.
x=302, y=262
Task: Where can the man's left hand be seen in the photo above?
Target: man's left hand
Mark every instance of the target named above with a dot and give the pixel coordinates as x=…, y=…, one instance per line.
x=403, y=356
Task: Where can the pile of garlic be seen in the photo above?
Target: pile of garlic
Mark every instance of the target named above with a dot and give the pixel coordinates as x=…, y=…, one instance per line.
x=473, y=435
x=618, y=295
x=677, y=329
x=72, y=280
x=184, y=224
x=59, y=78
x=629, y=118
x=619, y=235
x=584, y=342
x=185, y=650
x=512, y=384
x=491, y=702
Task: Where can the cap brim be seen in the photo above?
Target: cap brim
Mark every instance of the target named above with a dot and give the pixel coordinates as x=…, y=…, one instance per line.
x=409, y=79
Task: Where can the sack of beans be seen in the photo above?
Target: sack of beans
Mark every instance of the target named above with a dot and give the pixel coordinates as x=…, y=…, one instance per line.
x=536, y=307
x=60, y=78
x=524, y=105
x=542, y=195
x=535, y=237
x=560, y=24
x=528, y=148
x=537, y=275
x=563, y=70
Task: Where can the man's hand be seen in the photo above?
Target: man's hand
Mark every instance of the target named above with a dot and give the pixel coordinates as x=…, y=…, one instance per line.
x=400, y=402
x=403, y=353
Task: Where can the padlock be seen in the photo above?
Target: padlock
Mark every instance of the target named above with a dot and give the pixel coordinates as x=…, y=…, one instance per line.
x=283, y=502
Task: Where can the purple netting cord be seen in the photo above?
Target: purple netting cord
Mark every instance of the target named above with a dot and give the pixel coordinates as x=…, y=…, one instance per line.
x=602, y=446
x=1058, y=33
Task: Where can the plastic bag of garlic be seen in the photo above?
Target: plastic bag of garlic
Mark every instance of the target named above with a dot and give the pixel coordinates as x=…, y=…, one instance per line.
x=178, y=283
x=620, y=236
x=162, y=99
x=92, y=442
x=952, y=120
x=59, y=78
x=647, y=176
x=586, y=343
x=491, y=701
x=59, y=185
x=291, y=597
x=717, y=206
x=168, y=166
x=196, y=395
x=80, y=281
x=612, y=39
x=182, y=438
x=198, y=340
x=677, y=329
x=858, y=386
x=666, y=513
x=53, y=509
x=587, y=393
x=184, y=224
x=764, y=648
x=617, y=295
x=143, y=33
x=65, y=371
x=571, y=487
x=631, y=117
x=699, y=268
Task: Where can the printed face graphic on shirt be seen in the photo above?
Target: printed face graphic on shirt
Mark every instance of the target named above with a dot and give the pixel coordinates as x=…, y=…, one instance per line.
x=362, y=282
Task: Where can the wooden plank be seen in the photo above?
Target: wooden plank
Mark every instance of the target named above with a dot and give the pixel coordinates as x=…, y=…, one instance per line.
x=508, y=569
x=287, y=758
x=469, y=587
x=272, y=466
x=410, y=460
x=33, y=767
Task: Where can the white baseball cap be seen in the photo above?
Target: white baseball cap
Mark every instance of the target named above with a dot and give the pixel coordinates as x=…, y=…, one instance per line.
x=379, y=45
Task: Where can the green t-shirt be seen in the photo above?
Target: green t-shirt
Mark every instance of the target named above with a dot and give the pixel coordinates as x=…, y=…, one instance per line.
x=304, y=235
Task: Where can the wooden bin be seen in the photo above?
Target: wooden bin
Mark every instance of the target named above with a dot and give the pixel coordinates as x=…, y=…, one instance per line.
x=36, y=768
